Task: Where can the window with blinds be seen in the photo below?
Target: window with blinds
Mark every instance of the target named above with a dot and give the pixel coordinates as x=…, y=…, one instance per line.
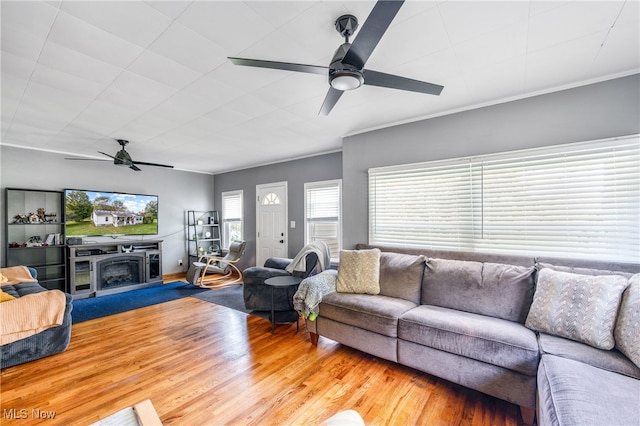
x=575, y=200
x=231, y=217
x=323, y=215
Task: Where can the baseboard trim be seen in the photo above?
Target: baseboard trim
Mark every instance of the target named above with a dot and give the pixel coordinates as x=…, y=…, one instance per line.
x=176, y=276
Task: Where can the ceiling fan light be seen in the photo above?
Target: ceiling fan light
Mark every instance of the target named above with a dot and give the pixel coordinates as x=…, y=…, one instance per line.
x=346, y=81
x=122, y=158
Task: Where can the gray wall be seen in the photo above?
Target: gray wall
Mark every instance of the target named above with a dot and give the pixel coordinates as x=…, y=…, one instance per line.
x=177, y=191
x=295, y=173
x=597, y=111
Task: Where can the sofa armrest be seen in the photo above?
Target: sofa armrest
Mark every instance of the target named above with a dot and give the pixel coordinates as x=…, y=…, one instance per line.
x=33, y=272
x=258, y=274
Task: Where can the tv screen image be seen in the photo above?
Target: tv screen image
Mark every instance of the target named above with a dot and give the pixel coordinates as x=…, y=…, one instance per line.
x=102, y=213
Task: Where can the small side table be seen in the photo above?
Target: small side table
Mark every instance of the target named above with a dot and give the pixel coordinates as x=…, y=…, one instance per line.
x=280, y=282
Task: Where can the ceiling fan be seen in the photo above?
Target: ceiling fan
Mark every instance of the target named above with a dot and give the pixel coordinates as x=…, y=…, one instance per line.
x=346, y=70
x=122, y=158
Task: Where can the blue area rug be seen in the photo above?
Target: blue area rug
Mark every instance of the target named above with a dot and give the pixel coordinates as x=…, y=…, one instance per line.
x=97, y=307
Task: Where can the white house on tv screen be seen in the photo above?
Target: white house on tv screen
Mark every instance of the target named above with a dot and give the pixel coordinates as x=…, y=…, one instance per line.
x=115, y=218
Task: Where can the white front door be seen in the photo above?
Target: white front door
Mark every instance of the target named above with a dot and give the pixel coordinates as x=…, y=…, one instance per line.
x=271, y=218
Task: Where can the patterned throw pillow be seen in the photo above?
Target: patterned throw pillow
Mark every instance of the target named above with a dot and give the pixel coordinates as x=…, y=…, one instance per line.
x=359, y=271
x=627, y=331
x=577, y=307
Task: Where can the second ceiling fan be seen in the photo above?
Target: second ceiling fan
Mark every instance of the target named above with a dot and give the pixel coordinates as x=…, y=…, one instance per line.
x=346, y=70
x=122, y=158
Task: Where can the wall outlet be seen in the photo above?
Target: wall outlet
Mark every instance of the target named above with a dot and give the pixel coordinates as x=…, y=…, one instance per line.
x=179, y=262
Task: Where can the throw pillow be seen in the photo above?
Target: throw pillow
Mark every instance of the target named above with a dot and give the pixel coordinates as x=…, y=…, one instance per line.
x=627, y=331
x=4, y=297
x=577, y=307
x=401, y=275
x=359, y=271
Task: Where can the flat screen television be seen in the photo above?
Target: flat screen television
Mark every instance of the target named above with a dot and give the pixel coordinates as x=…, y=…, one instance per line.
x=102, y=213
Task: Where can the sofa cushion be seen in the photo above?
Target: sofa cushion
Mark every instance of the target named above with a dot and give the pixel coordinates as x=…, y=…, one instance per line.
x=401, y=275
x=493, y=289
x=578, y=307
x=359, y=271
x=573, y=393
x=612, y=360
x=19, y=290
x=627, y=330
x=370, y=312
x=492, y=340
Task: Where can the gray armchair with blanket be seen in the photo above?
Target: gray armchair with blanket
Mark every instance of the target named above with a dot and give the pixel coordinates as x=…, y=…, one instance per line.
x=311, y=259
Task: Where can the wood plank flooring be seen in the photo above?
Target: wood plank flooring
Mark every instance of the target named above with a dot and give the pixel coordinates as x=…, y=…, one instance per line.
x=204, y=364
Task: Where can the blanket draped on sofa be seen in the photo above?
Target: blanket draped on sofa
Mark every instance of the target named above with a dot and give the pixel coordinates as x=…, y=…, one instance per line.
x=31, y=314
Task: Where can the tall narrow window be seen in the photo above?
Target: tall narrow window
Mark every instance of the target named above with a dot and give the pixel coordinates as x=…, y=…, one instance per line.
x=231, y=217
x=323, y=214
x=573, y=200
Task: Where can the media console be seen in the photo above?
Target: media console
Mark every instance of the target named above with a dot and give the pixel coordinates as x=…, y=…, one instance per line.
x=98, y=269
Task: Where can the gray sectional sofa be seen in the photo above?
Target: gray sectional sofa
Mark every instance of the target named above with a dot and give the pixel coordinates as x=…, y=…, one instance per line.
x=465, y=317
x=45, y=343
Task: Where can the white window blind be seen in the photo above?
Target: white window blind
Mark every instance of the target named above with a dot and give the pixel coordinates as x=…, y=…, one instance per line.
x=231, y=217
x=575, y=200
x=323, y=215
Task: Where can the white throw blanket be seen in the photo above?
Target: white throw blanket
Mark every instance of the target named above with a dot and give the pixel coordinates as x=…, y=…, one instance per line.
x=299, y=263
x=311, y=291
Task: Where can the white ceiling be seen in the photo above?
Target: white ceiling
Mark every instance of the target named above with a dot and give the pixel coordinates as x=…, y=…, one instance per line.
x=78, y=74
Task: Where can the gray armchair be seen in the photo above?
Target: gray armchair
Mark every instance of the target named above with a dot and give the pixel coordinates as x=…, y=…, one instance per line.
x=257, y=295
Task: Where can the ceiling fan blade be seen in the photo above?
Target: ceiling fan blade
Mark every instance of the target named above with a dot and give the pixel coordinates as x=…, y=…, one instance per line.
x=142, y=163
x=380, y=79
x=108, y=155
x=84, y=159
x=371, y=32
x=286, y=66
x=133, y=167
x=330, y=101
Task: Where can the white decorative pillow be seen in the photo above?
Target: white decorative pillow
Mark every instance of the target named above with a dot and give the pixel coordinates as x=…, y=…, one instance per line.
x=577, y=307
x=627, y=331
x=359, y=271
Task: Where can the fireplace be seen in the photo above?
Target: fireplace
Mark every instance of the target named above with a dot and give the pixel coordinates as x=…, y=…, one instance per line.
x=121, y=271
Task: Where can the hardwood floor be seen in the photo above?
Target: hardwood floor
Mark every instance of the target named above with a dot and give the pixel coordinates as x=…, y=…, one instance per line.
x=204, y=364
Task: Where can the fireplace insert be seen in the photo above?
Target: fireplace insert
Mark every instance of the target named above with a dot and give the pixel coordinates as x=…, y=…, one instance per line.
x=120, y=271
